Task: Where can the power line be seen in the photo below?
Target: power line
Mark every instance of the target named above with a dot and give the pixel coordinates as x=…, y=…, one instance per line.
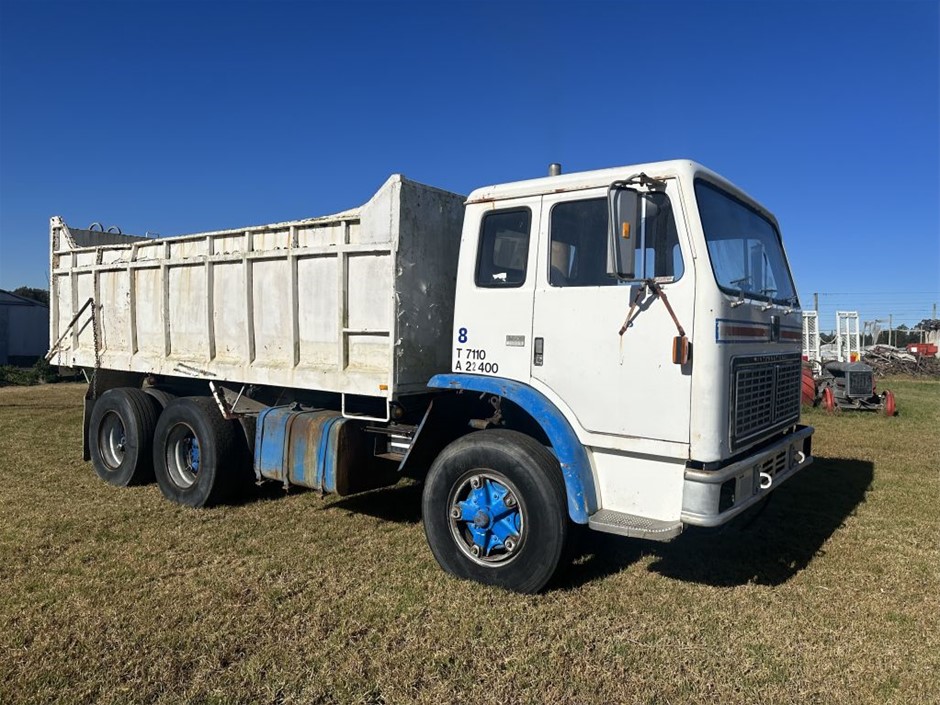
x=878, y=293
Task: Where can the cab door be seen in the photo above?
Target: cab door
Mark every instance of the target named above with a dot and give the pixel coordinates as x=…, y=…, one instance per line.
x=495, y=289
x=618, y=385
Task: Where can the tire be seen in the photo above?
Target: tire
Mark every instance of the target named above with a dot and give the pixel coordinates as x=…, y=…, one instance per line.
x=828, y=400
x=808, y=394
x=160, y=396
x=517, y=547
x=198, y=457
x=890, y=406
x=120, y=436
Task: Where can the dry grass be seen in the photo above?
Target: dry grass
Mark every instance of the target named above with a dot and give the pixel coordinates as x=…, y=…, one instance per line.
x=117, y=596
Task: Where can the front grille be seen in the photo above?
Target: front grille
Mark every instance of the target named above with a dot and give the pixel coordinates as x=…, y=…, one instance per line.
x=859, y=383
x=754, y=398
x=766, y=395
x=789, y=389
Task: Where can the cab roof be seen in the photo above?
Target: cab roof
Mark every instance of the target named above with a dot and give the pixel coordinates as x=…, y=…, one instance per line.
x=577, y=181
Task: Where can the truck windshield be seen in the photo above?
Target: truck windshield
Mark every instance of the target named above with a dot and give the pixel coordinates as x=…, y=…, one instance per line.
x=744, y=247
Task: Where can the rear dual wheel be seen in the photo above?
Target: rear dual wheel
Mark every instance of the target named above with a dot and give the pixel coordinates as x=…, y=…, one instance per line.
x=199, y=458
x=120, y=436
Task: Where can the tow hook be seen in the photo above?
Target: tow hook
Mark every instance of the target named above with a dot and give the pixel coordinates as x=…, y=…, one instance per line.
x=766, y=480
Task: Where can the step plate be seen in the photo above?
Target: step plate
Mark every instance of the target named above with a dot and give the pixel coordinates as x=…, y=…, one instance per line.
x=612, y=522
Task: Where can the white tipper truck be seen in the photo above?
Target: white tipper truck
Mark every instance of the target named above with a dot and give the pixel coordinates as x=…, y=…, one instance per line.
x=618, y=348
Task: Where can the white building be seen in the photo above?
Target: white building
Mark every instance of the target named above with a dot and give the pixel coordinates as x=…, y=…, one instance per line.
x=24, y=329
x=934, y=337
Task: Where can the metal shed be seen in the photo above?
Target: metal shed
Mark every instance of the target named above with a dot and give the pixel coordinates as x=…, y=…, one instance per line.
x=24, y=329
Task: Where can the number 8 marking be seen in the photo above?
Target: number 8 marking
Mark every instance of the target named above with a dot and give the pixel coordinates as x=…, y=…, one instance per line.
x=462, y=335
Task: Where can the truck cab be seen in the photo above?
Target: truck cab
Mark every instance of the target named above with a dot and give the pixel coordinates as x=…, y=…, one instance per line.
x=677, y=372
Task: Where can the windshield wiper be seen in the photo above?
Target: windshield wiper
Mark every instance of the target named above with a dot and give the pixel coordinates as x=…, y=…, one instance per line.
x=739, y=282
x=770, y=299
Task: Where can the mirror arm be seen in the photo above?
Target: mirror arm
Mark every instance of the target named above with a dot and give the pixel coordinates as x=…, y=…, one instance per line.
x=642, y=179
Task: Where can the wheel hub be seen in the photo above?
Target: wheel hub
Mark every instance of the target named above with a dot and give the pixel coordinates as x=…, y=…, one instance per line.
x=193, y=464
x=183, y=456
x=112, y=440
x=488, y=519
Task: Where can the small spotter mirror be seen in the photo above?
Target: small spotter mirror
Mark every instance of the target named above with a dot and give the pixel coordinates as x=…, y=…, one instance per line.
x=624, y=212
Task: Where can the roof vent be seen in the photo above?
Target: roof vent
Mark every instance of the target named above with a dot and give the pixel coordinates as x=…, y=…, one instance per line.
x=554, y=169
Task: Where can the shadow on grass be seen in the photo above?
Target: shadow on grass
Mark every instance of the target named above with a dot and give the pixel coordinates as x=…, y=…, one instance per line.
x=249, y=492
x=400, y=503
x=766, y=549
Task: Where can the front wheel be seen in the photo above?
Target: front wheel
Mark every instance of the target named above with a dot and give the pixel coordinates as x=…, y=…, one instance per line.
x=495, y=510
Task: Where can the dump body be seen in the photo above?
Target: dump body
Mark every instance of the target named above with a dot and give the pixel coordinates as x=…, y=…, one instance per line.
x=360, y=302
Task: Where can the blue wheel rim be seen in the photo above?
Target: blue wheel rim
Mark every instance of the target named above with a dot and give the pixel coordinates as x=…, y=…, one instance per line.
x=487, y=517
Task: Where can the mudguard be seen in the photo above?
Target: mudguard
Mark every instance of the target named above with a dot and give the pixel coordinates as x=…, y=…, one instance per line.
x=573, y=458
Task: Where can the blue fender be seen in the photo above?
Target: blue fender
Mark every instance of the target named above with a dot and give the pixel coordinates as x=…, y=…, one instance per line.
x=575, y=465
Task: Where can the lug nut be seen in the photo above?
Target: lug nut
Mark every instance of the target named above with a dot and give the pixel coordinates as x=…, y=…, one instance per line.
x=510, y=501
x=475, y=550
x=510, y=545
x=475, y=483
x=455, y=512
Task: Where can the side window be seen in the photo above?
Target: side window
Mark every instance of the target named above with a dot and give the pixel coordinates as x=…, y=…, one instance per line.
x=578, y=254
x=503, y=251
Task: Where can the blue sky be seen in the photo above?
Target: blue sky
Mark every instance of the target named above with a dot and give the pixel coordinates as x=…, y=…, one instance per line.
x=181, y=117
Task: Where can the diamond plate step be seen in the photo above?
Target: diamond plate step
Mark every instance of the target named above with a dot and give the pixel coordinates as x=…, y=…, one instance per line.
x=613, y=522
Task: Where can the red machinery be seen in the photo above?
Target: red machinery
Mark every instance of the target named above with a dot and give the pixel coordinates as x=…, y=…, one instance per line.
x=846, y=386
x=922, y=349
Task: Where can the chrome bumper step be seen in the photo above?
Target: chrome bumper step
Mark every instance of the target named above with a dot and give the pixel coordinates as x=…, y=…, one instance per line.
x=637, y=527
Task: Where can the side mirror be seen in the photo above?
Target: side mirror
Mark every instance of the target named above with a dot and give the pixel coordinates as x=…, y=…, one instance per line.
x=624, y=211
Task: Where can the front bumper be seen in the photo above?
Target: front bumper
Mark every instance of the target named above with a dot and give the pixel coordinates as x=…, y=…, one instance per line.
x=713, y=497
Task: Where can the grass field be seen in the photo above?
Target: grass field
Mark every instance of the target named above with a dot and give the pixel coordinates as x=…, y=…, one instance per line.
x=117, y=596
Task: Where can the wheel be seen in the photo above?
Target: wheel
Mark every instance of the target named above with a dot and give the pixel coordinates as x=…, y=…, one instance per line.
x=161, y=397
x=889, y=405
x=808, y=386
x=828, y=400
x=198, y=457
x=495, y=510
x=120, y=436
